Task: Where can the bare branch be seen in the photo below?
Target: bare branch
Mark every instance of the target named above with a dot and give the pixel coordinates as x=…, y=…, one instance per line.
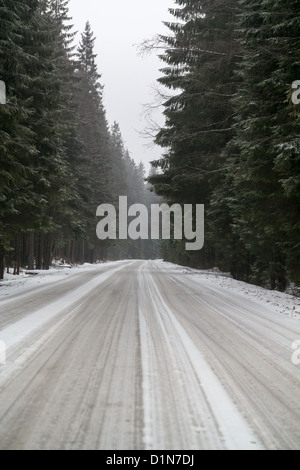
x=158, y=43
x=201, y=170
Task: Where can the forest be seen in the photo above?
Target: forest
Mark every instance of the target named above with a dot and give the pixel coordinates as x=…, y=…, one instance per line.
x=229, y=88
x=231, y=137
x=59, y=158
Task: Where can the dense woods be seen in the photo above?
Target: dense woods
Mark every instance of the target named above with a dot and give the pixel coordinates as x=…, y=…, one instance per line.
x=232, y=134
x=59, y=159
x=231, y=139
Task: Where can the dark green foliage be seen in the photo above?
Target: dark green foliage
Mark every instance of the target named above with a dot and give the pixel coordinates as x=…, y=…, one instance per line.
x=265, y=172
x=201, y=58
x=232, y=133
x=58, y=158
x=20, y=202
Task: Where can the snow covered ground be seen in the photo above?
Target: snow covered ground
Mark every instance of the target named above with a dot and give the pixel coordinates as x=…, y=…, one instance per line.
x=283, y=303
x=147, y=355
x=28, y=280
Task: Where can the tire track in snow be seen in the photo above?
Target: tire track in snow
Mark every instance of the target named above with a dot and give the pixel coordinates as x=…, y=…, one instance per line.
x=81, y=387
x=18, y=331
x=226, y=428
x=248, y=346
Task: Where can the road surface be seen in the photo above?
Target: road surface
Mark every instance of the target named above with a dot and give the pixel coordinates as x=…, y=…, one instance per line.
x=135, y=355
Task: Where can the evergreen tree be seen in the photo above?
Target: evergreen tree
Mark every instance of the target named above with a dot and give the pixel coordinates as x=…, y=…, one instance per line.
x=58, y=159
x=95, y=169
x=201, y=56
x=119, y=155
x=60, y=11
x=264, y=176
x=87, y=60
x=53, y=124
x=232, y=134
x=17, y=192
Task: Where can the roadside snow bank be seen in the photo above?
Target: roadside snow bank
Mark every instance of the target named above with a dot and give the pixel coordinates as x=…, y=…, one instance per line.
x=18, y=331
x=285, y=304
x=28, y=280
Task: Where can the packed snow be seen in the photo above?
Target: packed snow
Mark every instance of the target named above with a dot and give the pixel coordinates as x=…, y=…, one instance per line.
x=146, y=354
x=27, y=280
x=283, y=303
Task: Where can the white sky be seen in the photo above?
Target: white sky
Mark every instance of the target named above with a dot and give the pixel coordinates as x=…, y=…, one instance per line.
x=120, y=26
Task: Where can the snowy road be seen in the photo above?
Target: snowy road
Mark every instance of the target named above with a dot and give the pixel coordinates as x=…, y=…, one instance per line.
x=137, y=355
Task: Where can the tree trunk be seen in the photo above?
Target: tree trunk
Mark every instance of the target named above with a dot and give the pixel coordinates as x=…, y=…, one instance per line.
x=17, y=257
x=31, y=251
x=83, y=252
x=39, y=260
x=47, y=252
x=19, y=236
x=1, y=262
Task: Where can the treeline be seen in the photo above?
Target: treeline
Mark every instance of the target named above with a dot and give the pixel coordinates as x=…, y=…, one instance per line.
x=232, y=134
x=59, y=159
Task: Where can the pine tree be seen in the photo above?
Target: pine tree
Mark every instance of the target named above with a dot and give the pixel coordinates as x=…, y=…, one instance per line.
x=58, y=159
x=60, y=11
x=201, y=56
x=41, y=87
x=265, y=153
x=19, y=201
x=119, y=156
x=87, y=60
x=53, y=124
x=94, y=134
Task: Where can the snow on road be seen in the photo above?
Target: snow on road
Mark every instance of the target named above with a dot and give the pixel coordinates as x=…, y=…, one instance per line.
x=207, y=390
x=19, y=330
x=28, y=281
x=281, y=302
x=147, y=355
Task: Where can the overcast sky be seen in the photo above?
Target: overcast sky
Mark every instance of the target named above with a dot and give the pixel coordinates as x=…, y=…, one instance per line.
x=120, y=25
